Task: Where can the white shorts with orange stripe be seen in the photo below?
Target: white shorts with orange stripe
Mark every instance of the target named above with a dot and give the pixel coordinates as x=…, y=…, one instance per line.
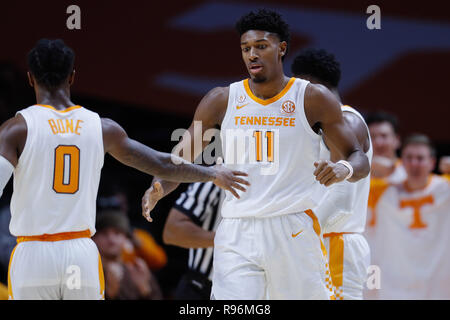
x=349, y=258
x=56, y=270
x=281, y=257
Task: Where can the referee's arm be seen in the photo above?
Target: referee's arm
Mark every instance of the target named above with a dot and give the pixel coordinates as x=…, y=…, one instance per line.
x=181, y=231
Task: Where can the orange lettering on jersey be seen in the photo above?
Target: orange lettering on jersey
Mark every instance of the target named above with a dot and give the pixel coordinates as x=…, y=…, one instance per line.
x=264, y=121
x=58, y=126
x=53, y=126
x=417, y=204
x=78, y=127
x=61, y=128
x=69, y=125
x=292, y=122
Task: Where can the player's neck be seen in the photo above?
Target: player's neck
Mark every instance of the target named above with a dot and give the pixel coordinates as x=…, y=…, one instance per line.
x=58, y=99
x=414, y=184
x=269, y=88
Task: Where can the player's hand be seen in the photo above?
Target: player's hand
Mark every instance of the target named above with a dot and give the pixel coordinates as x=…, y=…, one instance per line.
x=228, y=179
x=328, y=172
x=151, y=198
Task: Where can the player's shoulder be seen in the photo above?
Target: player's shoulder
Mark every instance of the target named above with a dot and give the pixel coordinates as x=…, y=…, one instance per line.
x=218, y=94
x=13, y=126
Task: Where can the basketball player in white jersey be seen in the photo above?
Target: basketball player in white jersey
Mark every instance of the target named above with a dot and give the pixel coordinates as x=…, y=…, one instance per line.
x=343, y=211
x=268, y=245
x=56, y=151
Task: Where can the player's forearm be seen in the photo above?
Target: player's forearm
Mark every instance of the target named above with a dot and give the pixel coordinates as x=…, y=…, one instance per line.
x=360, y=164
x=164, y=165
x=188, y=235
x=167, y=186
x=338, y=204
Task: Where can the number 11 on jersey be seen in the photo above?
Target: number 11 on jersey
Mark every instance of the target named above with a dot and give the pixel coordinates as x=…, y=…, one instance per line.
x=269, y=136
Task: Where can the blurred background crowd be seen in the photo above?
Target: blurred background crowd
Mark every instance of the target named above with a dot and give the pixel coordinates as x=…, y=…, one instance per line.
x=147, y=66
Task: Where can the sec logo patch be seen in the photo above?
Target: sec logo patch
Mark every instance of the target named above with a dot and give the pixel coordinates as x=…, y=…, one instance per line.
x=288, y=107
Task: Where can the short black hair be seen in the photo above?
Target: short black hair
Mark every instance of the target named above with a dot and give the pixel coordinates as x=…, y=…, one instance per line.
x=318, y=64
x=265, y=20
x=418, y=138
x=51, y=62
x=381, y=116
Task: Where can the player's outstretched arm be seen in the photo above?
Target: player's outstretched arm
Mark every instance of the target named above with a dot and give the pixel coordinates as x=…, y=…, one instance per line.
x=13, y=134
x=209, y=114
x=169, y=167
x=322, y=107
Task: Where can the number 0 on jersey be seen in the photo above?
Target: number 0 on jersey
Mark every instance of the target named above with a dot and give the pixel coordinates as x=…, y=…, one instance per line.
x=67, y=169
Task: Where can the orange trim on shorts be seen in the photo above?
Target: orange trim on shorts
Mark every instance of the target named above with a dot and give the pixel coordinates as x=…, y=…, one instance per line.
x=337, y=259
x=318, y=231
x=62, y=111
x=334, y=234
x=265, y=102
x=316, y=227
x=10, y=293
x=101, y=278
x=56, y=236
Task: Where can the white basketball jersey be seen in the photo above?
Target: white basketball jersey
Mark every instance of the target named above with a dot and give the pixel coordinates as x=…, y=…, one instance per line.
x=357, y=220
x=273, y=142
x=58, y=173
x=412, y=240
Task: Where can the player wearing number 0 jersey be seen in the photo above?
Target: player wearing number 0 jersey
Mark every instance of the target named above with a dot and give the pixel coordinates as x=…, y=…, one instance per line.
x=343, y=210
x=56, y=151
x=268, y=244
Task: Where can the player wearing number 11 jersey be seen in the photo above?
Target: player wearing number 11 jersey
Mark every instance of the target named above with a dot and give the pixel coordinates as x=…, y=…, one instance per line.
x=268, y=244
x=56, y=151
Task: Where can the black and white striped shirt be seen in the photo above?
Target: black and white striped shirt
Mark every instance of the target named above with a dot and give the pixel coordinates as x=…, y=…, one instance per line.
x=201, y=202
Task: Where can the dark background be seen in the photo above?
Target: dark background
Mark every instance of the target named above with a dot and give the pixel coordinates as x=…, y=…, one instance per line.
x=146, y=65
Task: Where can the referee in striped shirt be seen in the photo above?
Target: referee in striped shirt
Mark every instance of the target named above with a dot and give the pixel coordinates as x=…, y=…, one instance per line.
x=191, y=224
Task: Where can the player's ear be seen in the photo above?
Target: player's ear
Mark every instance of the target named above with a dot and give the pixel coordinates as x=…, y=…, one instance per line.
x=283, y=48
x=30, y=79
x=72, y=77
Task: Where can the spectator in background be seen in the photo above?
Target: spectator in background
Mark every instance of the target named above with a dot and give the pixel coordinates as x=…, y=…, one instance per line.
x=191, y=223
x=383, y=129
x=124, y=280
x=444, y=166
x=386, y=168
x=140, y=243
x=413, y=229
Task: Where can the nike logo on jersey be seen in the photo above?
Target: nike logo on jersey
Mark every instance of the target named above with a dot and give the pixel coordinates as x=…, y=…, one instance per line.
x=296, y=234
x=240, y=107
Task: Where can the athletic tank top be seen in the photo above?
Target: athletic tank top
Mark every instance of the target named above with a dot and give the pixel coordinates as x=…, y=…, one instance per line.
x=58, y=173
x=273, y=142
